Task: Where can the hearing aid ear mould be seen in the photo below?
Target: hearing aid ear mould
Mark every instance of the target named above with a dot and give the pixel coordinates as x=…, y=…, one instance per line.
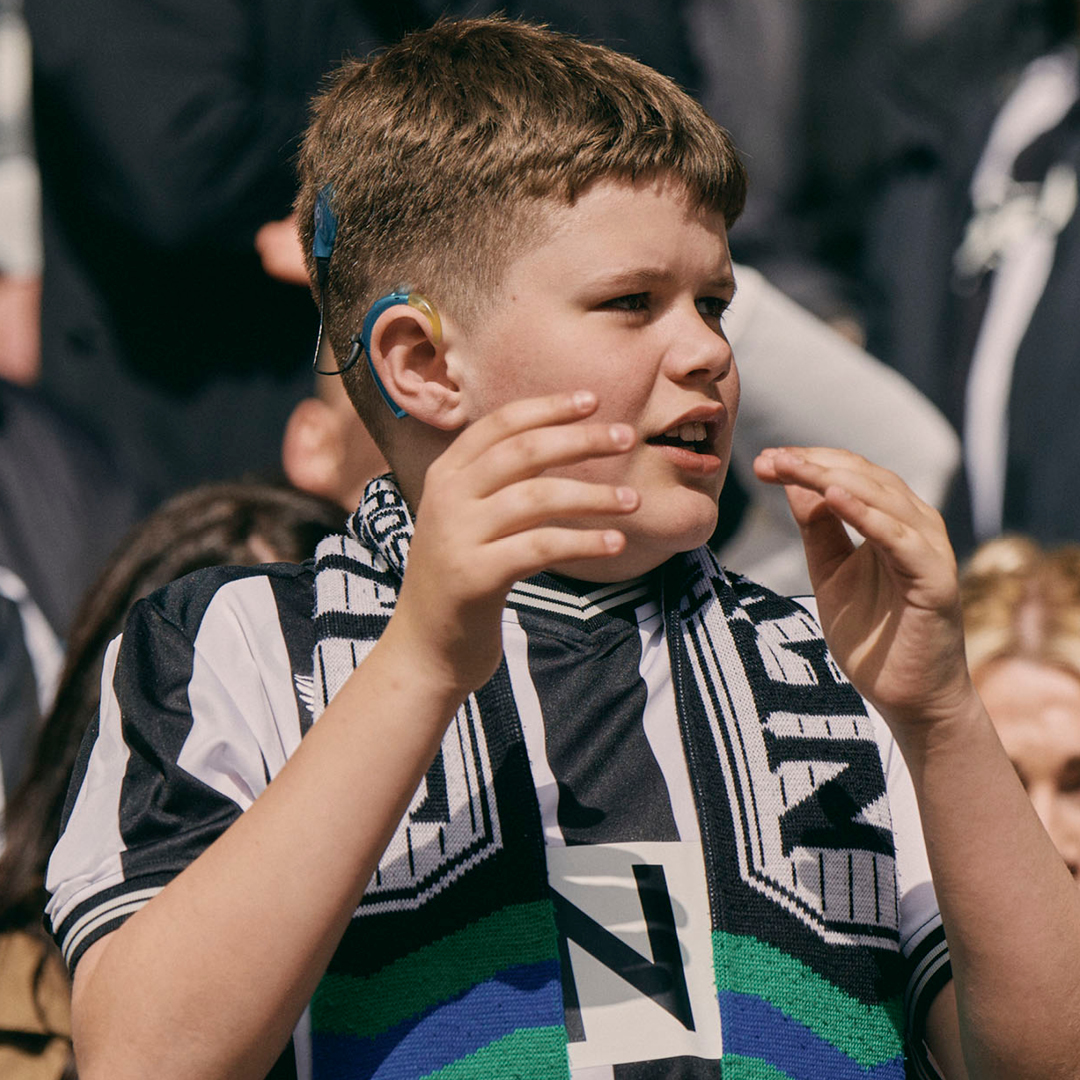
x=362, y=342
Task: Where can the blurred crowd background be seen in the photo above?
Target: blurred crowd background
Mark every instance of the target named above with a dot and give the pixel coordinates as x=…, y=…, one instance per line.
x=909, y=273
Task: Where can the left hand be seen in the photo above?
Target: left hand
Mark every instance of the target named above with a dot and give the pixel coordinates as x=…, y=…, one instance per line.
x=890, y=607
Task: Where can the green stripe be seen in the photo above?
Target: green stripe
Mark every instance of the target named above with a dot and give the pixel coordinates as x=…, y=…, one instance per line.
x=368, y=1005
x=533, y=1054
x=870, y=1034
x=737, y=1067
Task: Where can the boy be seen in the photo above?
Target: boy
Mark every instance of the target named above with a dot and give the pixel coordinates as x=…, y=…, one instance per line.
x=626, y=817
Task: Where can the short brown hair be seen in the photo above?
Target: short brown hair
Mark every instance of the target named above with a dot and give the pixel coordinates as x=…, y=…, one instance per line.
x=455, y=137
x=1022, y=601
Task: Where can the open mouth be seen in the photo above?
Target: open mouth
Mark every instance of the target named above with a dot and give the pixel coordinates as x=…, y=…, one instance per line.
x=693, y=435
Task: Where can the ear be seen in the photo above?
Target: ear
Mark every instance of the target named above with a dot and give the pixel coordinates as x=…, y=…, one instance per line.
x=329, y=452
x=411, y=364
x=312, y=449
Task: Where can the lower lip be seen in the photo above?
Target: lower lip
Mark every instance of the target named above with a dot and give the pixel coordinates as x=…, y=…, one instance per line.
x=690, y=461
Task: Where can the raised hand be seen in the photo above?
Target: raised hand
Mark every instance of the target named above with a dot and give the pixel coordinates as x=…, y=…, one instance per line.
x=890, y=607
x=489, y=517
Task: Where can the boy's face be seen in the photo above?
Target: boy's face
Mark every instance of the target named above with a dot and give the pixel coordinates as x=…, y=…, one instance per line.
x=624, y=297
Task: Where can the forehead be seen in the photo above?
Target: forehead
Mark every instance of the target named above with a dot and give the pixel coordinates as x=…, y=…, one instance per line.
x=1035, y=708
x=620, y=225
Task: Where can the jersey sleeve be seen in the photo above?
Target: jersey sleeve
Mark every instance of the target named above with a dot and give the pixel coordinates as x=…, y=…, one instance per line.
x=199, y=710
x=922, y=936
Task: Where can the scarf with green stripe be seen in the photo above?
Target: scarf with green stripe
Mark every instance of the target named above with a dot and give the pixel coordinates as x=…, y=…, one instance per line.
x=450, y=966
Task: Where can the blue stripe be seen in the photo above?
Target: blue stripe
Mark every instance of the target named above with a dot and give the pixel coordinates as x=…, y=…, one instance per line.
x=754, y=1028
x=528, y=996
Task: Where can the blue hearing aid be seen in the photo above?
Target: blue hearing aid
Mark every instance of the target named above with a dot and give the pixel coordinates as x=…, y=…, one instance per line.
x=362, y=341
x=322, y=247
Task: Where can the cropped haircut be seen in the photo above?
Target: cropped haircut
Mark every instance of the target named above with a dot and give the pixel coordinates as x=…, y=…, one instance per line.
x=1022, y=601
x=441, y=154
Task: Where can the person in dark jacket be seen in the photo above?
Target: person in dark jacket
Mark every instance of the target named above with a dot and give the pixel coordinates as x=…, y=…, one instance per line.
x=166, y=134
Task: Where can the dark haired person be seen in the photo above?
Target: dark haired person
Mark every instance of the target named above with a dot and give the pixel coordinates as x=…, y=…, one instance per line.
x=215, y=525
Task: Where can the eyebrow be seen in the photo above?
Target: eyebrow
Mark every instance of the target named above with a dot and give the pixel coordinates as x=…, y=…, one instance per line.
x=646, y=278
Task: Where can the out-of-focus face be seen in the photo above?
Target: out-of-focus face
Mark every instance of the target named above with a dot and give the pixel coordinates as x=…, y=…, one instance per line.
x=625, y=298
x=1036, y=710
x=327, y=450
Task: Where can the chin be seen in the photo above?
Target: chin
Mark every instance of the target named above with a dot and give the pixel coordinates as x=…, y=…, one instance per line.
x=678, y=528
x=688, y=519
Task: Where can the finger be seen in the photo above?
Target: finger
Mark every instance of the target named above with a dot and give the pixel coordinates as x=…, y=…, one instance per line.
x=896, y=522
x=921, y=562
x=531, y=503
x=833, y=457
x=531, y=453
x=825, y=541
x=819, y=470
x=516, y=417
x=806, y=481
x=906, y=545
x=523, y=554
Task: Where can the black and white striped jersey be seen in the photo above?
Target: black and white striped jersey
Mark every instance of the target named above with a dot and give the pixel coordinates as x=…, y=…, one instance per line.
x=209, y=692
x=615, y=795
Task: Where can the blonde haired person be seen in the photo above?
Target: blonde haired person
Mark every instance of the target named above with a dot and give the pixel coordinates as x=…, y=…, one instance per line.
x=1022, y=627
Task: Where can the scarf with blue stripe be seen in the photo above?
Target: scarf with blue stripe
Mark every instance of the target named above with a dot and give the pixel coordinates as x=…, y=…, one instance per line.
x=450, y=966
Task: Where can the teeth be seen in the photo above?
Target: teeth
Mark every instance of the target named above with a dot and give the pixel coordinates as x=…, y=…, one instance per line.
x=693, y=431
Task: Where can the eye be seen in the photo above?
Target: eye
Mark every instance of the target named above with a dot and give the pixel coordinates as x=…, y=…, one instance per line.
x=713, y=307
x=634, y=302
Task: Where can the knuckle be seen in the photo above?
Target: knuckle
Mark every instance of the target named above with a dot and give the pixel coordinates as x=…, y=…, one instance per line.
x=500, y=424
x=544, y=546
x=502, y=420
x=528, y=449
x=525, y=499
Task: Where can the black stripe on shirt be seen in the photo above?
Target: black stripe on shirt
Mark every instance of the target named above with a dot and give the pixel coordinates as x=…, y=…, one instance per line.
x=593, y=698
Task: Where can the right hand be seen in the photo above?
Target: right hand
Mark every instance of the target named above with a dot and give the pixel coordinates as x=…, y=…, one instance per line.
x=489, y=517
x=890, y=607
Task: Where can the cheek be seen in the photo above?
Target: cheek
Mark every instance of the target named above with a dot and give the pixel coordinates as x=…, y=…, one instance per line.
x=1069, y=801
x=534, y=374
x=532, y=364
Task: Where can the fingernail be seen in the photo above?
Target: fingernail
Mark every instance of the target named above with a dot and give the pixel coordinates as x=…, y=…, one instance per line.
x=613, y=540
x=584, y=400
x=622, y=435
x=627, y=496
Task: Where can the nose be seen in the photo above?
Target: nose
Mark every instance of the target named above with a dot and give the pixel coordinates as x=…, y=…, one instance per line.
x=698, y=352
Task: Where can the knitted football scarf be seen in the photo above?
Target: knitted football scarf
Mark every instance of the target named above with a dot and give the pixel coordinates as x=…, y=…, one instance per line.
x=450, y=965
